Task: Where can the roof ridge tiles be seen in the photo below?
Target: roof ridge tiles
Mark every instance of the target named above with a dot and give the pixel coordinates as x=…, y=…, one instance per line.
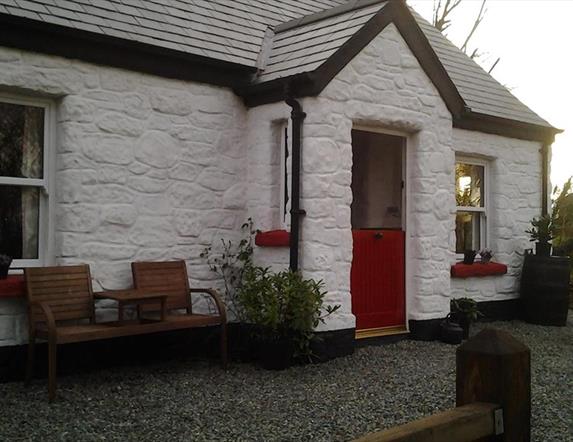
x=321, y=15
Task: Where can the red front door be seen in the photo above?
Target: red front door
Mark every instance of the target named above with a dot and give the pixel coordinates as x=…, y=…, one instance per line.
x=377, y=278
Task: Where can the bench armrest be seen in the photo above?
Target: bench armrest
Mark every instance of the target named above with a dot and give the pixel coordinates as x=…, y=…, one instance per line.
x=50, y=319
x=217, y=298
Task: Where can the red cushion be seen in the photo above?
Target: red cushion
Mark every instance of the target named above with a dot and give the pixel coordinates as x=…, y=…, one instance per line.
x=273, y=238
x=461, y=270
x=12, y=287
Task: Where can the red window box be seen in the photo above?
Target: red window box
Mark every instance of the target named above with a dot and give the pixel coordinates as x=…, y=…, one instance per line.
x=13, y=287
x=273, y=238
x=477, y=269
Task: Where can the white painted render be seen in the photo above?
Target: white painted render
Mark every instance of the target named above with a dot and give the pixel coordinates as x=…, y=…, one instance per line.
x=153, y=168
x=515, y=198
x=146, y=168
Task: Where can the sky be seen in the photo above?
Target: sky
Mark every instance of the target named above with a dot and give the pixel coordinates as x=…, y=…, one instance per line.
x=534, y=39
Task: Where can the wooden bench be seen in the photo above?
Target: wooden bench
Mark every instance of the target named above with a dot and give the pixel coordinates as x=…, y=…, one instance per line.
x=61, y=309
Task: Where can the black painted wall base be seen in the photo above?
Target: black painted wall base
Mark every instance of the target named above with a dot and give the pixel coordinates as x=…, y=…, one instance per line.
x=429, y=329
x=333, y=344
x=148, y=349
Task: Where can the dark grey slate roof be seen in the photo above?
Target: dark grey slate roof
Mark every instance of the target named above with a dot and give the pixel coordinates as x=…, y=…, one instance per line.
x=305, y=47
x=225, y=30
x=481, y=92
x=234, y=31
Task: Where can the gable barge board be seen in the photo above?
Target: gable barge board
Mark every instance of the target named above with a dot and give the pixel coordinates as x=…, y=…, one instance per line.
x=393, y=12
x=35, y=36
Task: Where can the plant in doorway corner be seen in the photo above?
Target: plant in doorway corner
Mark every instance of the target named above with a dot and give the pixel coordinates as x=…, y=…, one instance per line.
x=464, y=312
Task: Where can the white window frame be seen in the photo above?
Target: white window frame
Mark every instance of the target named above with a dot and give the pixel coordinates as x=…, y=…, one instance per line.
x=484, y=211
x=45, y=184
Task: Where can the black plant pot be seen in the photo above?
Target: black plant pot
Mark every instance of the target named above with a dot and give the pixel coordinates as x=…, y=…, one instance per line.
x=469, y=256
x=4, y=271
x=542, y=249
x=243, y=342
x=464, y=323
x=276, y=353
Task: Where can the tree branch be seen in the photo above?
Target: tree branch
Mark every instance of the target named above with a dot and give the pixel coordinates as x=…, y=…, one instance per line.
x=477, y=22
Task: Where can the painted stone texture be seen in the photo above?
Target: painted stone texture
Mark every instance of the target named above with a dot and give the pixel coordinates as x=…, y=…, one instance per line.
x=152, y=169
x=515, y=198
x=264, y=125
x=146, y=168
x=13, y=321
x=383, y=87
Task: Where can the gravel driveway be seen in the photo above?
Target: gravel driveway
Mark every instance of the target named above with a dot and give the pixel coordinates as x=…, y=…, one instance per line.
x=377, y=387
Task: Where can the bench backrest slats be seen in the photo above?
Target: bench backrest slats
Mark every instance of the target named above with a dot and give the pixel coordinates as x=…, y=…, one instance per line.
x=168, y=277
x=67, y=289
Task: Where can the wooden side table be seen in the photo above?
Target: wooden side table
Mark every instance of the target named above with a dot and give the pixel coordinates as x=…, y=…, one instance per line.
x=133, y=297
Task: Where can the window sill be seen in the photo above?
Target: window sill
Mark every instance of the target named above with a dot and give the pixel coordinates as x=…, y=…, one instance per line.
x=12, y=287
x=477, y=270
x=273, y=238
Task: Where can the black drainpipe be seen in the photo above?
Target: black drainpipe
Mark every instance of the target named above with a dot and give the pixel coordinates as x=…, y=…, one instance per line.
x=544, y=177
x=297, y=117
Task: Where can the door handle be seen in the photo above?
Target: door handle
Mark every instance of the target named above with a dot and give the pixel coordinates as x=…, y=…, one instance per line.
x=378, y=235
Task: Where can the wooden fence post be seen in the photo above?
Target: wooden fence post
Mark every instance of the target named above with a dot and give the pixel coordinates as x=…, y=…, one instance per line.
x=495, y=367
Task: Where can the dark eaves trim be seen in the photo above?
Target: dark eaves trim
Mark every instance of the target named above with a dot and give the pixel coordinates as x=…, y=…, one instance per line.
x=476, y=121
x=35, y=36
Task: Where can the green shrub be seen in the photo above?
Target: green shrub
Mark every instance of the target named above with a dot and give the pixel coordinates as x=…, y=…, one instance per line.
x=465, y=306
x=283, y=305
x=563, y=218
x=229, y=262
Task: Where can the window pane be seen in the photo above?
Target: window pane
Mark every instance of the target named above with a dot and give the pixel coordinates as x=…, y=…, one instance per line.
x=469, y=185
x=468, y=227
x=19, y=221
x=21, y=141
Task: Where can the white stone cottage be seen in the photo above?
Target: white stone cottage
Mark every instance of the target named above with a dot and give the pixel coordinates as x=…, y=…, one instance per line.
x=147, y=130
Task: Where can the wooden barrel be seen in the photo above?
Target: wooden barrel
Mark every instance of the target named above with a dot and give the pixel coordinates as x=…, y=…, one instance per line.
x=545, y=289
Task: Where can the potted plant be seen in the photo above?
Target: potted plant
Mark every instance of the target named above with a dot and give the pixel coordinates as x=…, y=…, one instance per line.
x=485, y=255
x=5, y=262
x=541, y=232
x=469, y=256
x=284, y=309
x=464, y=312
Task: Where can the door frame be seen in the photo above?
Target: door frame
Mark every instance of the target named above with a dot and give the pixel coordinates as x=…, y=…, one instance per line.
x=406, y=152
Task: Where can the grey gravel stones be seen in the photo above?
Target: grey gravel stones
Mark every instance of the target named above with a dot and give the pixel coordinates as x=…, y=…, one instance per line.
x=377, y=387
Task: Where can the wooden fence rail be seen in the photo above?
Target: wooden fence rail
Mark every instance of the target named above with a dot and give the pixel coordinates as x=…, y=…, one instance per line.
x=493, y=397
x=462, y=424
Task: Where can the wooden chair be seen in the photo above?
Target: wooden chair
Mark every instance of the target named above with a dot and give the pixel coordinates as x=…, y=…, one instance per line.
x=170, y=277
x=57, y=294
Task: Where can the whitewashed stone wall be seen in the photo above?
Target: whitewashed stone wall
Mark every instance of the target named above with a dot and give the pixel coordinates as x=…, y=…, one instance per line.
x=146, y=168
x=13, y=321
x=515, y=198
x=152, y=168
x=263, y=178
x=383, y=86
